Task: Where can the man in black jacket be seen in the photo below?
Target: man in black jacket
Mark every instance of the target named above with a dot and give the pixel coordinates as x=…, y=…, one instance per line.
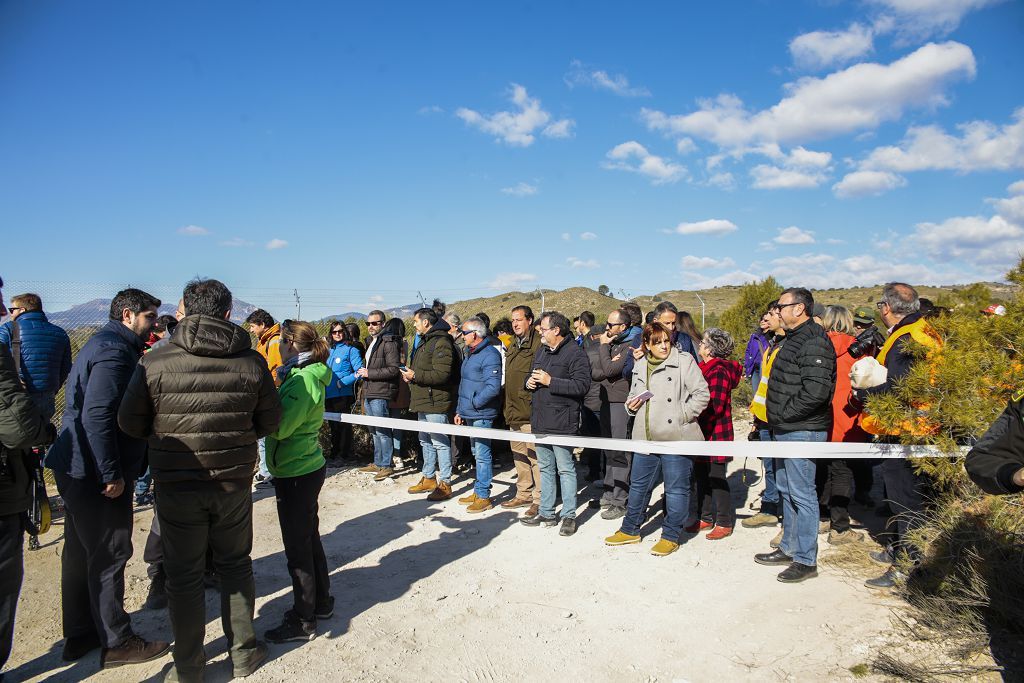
x=799, y=408
x=559, y=381
x=380, y=377
x=22, y=425
x=612, y=354
x=202, y=401
x=996, y=463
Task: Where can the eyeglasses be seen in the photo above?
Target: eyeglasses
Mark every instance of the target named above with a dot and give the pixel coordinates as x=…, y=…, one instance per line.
x=337, y=331
x=374, y=322
x=611, y=324
x=12, y=309
x=547, y=329
x=465, y=332
x=879, y=304
x=779, y=307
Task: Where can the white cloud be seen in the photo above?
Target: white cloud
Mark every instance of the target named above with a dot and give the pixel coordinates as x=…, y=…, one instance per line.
x=432, y=109
x=821, y=271
x=588, y=236
x=510, y=280
x=581, y=74
x=566, y=237
x=794, y=235
x=520, y=189
x=193, y=231
x=633, y=157
x=701, y=281
x=690, y=262
x=919, y=19
x=517, y=128
x=685, y=146
x=822, y=49
x=712, y=226
x=237, y=242
x=580, y=263
x=1016, y=188
x=277, y=243
x=773, y=178
x=867, y=183
x=980, y=146
x=723, y=181
x=860, y=97
x=974, y=239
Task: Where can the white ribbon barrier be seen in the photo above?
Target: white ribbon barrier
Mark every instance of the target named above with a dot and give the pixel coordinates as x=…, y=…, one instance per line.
x=736, y=449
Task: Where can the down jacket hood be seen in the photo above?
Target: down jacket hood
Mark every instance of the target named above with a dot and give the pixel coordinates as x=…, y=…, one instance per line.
x=203, y=335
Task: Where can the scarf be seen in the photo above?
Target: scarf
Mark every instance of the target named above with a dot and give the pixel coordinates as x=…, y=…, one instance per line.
x=294, y=362
x=652, y=365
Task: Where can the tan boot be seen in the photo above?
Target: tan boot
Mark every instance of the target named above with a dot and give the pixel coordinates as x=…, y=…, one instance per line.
x=468, y=500
x=423, y=486
x=443, y=491
x=369, y=469
x=479, y=505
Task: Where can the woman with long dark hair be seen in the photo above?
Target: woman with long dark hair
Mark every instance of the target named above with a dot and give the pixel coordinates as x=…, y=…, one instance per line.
x=344, y=360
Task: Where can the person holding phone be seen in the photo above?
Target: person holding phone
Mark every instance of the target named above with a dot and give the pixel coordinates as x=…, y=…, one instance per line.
x=667, y=394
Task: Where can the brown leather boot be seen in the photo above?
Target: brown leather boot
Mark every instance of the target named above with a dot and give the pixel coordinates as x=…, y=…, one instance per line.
x=443, y=491
x=134, y=650
x=424, y=486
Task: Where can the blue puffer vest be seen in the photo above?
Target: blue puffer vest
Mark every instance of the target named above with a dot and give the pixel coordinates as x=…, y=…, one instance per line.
x=45, y=352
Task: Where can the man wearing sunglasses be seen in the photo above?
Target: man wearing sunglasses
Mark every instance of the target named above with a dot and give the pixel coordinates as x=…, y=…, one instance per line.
x=479, y=401
x=380, y=375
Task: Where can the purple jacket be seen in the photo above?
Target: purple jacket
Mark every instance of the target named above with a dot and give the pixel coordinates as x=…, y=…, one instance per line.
x=755, y=350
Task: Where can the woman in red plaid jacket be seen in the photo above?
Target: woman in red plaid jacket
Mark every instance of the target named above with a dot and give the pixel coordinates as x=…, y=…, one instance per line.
x=714, y=500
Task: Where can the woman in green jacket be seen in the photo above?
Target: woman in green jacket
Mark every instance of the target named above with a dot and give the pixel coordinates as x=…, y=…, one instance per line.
x=297, y=462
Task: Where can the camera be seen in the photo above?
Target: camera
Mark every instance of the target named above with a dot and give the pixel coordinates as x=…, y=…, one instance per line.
x=867, y=342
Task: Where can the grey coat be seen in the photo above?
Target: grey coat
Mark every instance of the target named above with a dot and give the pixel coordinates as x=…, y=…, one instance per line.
x=680, y=395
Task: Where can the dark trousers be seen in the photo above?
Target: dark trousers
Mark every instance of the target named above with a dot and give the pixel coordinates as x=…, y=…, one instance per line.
x=97, y=546
x=835, y=493
x=863, y=475
x=12, y=571
x=590, y=425
x=905, y=492
x=297, y=509
x=714, y=500
x=190, y=521
x=153, y=553
x=616, y=463
x=341, y=432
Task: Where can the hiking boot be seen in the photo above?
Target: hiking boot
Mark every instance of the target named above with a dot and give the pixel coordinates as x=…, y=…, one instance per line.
x=134, y=650
x=292, y=628
x=157, y=596
x=568, y=526
x=443, y=491
x=886, y=580
x=76, y=647
x=621, y=538
x=773, y=559
x=326, y=611
x=776, y=540
x=842, y=537
x=664, y=547
x=718, y=533
x=697, y=527
x=613, y=512
x=882, y=556
x=539, y=520
x=256, y=659
x=479, y=505
x=424, y=485
x=468, y=500
x=516, y=503
x=532, y=511
x=796, y=572
x=369, y=469
x=760, y=519
x=383, y=473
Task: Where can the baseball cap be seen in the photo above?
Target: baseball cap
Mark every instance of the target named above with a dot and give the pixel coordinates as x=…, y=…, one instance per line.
x=863, y=315
x=995, y=309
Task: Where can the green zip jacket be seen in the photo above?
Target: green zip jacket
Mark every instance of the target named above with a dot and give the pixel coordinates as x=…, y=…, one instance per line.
x=294, y=449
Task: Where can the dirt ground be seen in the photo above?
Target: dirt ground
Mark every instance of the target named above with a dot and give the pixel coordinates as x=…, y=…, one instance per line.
x=427, y=591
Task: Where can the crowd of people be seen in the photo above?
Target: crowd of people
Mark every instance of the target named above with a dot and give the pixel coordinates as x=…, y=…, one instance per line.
x=186, y=413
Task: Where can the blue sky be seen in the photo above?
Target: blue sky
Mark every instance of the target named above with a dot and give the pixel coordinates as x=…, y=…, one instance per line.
x=367, y=152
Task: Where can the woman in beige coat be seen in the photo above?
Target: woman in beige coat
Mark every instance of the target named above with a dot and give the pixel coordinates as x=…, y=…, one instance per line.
x=680, y=394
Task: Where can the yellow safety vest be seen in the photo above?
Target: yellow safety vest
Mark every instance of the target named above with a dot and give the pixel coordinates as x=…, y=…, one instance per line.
x=759, y=407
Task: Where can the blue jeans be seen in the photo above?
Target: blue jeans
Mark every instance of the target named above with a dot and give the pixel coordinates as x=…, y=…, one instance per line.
x=482, y=455
x=396, y=434
x=261, y=446
x=437, y=449
x=677, y=471
x=795, y=480
x=382, y=444
x=557, y=466
x=142, y=483
x=770, y=499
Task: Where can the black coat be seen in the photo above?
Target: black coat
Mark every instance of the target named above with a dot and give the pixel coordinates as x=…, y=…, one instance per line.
x=802, y=381
x=382, y=375
x=436, y=364
x=21, y=427
x=90, y=445
x=556, y=408
x=999, y=454
x=202, y=401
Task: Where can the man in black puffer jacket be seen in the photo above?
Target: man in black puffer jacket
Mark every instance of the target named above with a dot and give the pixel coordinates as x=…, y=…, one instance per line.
x=996, y=463
x=799, y=408
x=203, y=401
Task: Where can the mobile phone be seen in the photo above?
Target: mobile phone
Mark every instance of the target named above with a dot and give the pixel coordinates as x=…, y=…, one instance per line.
x=643, y=397
x=403, y=368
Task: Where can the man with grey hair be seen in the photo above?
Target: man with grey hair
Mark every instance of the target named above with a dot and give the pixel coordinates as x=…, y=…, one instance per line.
x=612, y=354
x=478, y=404
x=899, y=309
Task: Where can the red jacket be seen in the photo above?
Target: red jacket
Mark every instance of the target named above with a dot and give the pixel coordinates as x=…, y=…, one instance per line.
x=845, y=419
x=715, y=422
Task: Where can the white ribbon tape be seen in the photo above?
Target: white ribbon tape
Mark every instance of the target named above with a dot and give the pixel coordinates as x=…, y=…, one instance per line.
x=736, y=449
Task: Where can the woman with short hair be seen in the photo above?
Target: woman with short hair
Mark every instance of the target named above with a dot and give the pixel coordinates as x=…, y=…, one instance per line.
x=344, y=360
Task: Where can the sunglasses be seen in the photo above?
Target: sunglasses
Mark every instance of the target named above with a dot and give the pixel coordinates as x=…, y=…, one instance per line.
x=374, y=322
x=337, y=331
x=465, y=332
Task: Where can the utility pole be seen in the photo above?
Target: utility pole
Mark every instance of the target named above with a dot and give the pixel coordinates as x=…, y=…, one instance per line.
x=298, y=304
x=701, y=310
x=422, y=300
x=541, y=292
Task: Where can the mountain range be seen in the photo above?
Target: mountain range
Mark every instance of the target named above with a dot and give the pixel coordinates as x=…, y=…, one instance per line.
x=96, y=312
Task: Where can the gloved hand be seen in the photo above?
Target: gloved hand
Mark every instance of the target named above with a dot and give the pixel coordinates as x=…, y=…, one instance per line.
x=867, y=372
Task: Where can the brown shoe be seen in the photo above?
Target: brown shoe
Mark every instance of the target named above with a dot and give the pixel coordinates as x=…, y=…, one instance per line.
x=469, y=500
x=443, y=491
x=425, y=486
x=479, y=505
x=369, y=469
x=134, y=650
x=516, y=503
x=383, y=473
x=533, y=511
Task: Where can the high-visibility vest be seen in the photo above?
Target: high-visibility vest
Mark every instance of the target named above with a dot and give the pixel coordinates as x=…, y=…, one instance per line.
x=921, y=332
x=759, y=406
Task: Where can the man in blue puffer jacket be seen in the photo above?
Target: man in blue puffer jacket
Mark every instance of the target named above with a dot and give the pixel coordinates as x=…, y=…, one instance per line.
x=479, y=403
x=45, y=350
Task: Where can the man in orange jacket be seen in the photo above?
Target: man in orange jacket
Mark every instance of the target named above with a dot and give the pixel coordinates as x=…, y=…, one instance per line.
x=268, y=344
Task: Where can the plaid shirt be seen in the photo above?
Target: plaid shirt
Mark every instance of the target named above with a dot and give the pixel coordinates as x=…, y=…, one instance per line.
x=716, y=421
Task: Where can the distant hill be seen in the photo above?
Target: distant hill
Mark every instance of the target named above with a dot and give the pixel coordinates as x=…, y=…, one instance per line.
x=396, y=312
x=96, y=312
